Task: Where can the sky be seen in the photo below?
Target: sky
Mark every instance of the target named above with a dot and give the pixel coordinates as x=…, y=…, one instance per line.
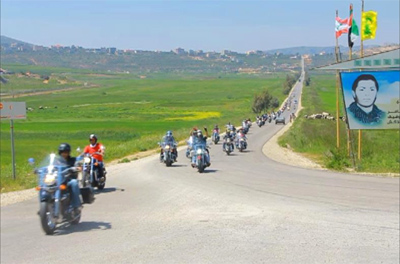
x=207, y=25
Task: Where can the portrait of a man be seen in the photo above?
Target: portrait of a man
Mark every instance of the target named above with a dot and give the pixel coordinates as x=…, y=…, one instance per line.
x=365, y=91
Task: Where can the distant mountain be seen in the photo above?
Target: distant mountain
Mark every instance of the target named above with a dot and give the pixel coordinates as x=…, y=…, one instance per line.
x=6, y=41
x=314, y=50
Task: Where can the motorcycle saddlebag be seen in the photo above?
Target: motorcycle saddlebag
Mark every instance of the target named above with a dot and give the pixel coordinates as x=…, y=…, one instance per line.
x=87, y=195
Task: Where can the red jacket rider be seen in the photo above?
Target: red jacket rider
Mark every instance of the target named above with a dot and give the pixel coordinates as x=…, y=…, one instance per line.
x=94, y=147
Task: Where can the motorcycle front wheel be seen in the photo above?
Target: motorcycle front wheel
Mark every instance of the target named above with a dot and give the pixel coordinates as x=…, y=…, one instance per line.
x=85, y=178
x=47, y=218
x=201, y=167
x=168, y=162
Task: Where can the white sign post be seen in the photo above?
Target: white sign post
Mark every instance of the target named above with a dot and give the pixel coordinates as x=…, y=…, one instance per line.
x=12, y=110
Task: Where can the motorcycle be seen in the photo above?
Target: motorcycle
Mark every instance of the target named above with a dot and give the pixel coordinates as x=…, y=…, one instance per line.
x=199, y=154
x=245, y=128
x=215, y=136
x=228, y=145
x=55, y=195
x=168, y=154
x=90, y=172
x=241, y=144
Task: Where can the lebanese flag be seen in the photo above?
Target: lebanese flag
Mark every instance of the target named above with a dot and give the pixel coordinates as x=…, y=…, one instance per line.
x=341, y=26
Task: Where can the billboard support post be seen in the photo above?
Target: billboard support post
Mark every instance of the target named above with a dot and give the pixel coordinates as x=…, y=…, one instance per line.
x=12, y=148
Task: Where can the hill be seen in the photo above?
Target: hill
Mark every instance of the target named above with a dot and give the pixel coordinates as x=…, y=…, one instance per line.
x=175, y=61
x=8, y=42
x=139, y=61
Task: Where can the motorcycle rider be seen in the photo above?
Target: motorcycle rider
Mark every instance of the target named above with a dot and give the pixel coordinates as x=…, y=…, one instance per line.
x=192, y=134
x=216, y=131
x=230, y=127
x=96, y=150
x=240, y=134
x=231, y=135
x=64, y=150
x=169, y=139
x=200, y=139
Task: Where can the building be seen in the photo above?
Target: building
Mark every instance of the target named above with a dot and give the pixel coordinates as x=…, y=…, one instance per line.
x=112, y=51
x=179, y=51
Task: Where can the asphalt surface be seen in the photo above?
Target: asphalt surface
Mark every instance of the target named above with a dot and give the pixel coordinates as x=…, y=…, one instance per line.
x=245, y=208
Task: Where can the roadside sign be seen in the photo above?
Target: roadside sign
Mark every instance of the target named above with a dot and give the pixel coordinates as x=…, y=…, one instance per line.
x=12, y=110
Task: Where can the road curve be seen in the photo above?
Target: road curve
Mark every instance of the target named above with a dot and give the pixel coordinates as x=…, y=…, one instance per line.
x=245, y=208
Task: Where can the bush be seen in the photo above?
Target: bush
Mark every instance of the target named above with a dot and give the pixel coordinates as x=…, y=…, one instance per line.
x=336, y=159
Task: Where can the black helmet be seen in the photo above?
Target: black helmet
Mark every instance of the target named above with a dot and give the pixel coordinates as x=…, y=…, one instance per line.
x=93, y=136
x=64, y=147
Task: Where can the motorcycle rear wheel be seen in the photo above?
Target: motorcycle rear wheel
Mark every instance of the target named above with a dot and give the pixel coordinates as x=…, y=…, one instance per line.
x=77, y=219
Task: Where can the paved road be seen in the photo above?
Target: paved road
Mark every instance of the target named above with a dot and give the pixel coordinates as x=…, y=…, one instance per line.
x=244, y=209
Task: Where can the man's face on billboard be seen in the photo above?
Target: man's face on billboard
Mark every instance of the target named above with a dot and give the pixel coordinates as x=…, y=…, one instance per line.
x=365, y=93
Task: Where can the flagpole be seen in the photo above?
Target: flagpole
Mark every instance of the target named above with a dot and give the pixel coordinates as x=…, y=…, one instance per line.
x=362, y=55
x=337, y=92
x=350, y=58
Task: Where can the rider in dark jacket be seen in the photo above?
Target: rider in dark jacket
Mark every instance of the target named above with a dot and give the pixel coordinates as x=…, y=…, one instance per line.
x=201, y=139
x=64, y=150
x=169, y=139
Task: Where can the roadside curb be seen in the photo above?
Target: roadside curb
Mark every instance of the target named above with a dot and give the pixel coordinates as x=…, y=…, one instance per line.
x=273, y=151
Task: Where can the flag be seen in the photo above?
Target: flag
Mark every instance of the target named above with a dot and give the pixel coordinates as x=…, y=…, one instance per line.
x=369, y=24
x=341, y=26
x=353, y=29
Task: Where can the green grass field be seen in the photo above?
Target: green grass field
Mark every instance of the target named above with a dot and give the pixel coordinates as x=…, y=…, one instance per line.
x=127, y=113
x=317, y=138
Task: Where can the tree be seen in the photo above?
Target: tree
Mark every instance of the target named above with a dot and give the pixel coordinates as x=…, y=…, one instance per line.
x=289, y=82
x=307, y=79
x=264, y=101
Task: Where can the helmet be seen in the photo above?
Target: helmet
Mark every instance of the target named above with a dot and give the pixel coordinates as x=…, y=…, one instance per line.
x=199, y=133
x=64, y=147
x=216, y=126
x=93, y=136
x=169, y=133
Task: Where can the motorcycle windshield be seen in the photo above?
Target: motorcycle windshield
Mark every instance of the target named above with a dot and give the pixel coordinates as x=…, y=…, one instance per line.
x=53, y=160
x=168, y=143
x=50, y=168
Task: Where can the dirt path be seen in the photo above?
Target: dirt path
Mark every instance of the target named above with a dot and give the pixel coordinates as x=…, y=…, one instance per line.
x=7, y=96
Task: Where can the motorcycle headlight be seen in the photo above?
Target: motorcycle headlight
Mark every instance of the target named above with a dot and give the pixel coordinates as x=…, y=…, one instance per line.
x=86, y=160
x=228, y=140
x=199, y=151
x=50, y=178
x=167, y=147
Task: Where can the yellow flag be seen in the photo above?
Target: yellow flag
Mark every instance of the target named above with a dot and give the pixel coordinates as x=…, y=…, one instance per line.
x=369, y=24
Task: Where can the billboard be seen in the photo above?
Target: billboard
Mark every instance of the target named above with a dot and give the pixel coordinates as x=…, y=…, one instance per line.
x=372, y=99
x=12, y=110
